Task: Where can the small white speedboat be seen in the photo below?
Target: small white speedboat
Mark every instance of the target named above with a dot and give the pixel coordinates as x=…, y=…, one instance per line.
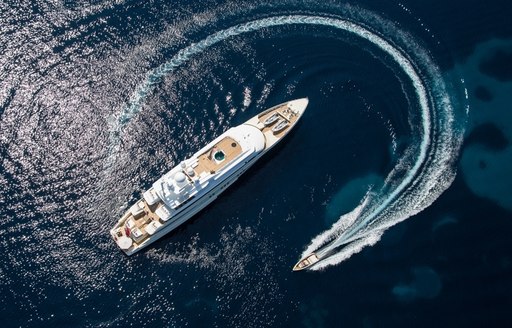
x=306, y=262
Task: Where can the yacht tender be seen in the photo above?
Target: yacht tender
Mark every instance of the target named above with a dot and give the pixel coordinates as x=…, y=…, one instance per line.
x=306, y=262
x=197, y=181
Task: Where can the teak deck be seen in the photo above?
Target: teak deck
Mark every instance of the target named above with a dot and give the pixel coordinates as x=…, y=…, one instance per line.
x=207, y=164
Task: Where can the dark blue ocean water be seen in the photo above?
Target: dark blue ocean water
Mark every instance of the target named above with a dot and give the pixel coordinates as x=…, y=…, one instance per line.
x=99, y=99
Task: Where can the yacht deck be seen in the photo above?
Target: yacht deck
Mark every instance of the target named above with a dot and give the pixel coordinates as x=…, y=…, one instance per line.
x=285, y=113
x=140, y=221
x=207, y=162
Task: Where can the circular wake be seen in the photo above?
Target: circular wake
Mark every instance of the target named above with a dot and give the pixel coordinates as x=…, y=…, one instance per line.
x=422, y=173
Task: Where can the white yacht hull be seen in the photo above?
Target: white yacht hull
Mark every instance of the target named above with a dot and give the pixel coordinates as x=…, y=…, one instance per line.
x=197, y=182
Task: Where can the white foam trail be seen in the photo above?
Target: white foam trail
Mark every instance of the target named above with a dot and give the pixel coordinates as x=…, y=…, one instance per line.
x=423, y=102
x=354, y=247
x=430, y=173
x=155, y=76
x=342, y=224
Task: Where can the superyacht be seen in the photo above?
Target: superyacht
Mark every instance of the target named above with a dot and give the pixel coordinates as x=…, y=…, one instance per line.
x=199, y=180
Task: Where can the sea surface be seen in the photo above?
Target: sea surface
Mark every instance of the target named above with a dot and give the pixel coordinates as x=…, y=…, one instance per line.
x=400, y=170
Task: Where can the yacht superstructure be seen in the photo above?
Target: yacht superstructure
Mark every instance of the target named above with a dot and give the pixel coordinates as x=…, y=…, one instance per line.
x=197, y=181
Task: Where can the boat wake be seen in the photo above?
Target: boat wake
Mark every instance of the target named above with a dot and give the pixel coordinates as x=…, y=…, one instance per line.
x=423, y=172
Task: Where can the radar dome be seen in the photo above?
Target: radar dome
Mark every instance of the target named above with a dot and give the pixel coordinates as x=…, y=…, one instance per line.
x=180, y=178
